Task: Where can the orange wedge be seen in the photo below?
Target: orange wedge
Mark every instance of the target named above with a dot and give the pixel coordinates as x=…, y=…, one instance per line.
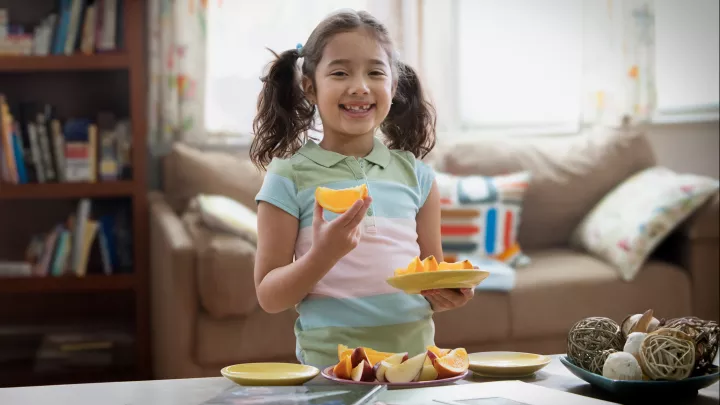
x=415, y=266
x=343, y=369
x=463, y=265
x=452, y=364
x=430, y=263
x=339, y=201
x=344, y=351
x=438, y=351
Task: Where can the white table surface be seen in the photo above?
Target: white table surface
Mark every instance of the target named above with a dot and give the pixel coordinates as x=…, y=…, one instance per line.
x=194, y=391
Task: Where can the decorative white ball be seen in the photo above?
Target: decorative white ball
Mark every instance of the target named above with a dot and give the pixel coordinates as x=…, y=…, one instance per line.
x=622, y=366
x=633, y=342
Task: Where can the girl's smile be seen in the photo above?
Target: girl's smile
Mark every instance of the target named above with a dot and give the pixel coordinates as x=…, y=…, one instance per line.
x=357, y=110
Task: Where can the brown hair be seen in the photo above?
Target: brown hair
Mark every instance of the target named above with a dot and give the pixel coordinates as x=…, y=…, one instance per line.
x=284, y=115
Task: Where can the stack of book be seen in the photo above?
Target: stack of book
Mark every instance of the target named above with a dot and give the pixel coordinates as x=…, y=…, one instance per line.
x=65, y=250
x=37, y=147
x=87, y=26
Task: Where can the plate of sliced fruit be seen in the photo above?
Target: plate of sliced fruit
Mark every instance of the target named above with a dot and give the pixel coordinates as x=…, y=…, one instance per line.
x=428, y=274
x=398, y=370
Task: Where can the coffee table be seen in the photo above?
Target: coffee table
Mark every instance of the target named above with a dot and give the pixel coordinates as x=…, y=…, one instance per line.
x=194, y=391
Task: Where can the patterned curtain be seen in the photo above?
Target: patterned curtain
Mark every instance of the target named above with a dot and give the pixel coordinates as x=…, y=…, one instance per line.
x=177, y=46
x=619, y=62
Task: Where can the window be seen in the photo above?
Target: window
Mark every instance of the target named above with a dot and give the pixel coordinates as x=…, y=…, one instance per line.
x=551, y=66
x=239, y=33
x=687, y=56
x=520, y=62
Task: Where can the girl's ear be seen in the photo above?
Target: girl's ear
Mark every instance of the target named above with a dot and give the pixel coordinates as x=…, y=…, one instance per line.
x=394, y=89
x=308, y=89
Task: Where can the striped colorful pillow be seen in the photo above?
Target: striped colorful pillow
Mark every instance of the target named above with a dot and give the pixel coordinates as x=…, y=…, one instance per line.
x=481, y=215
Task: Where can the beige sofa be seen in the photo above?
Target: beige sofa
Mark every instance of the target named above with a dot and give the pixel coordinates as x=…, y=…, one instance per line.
x=205, y=314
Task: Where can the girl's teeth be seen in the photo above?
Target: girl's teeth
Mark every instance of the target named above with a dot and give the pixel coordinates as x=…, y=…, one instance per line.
x=357, y=107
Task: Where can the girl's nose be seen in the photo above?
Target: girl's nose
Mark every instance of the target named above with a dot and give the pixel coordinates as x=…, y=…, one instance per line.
x=359, y=86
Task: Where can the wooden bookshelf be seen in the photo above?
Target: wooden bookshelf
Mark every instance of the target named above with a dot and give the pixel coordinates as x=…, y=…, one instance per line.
x=117, y=282
x=67, y=190
x=82, y=85
x=59, y=63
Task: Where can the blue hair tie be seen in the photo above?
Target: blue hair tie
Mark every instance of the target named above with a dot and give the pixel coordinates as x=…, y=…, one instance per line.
x=298, y=47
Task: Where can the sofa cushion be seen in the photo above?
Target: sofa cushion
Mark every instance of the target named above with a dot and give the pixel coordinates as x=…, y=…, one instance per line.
x=224, y=270
x=188, y=172
x=226, y=215
x=629, y=223
x=480, y=215
x=562, y=286
x=569, y=175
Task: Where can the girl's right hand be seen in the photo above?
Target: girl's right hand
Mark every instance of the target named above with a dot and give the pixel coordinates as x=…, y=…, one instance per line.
x=334, y=239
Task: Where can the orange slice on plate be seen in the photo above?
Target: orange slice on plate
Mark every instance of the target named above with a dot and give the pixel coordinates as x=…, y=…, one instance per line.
x=452, y=364
x=339, y=201
x=430, y=264
x=415, y=266
x=463, y=265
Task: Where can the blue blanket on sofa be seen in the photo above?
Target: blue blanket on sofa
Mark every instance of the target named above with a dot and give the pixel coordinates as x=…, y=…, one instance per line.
x=501, y=278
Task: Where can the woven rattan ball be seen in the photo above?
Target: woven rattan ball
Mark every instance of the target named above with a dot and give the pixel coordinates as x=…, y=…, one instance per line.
x=667, y=354
x=589, y=337
x=598, y=361
x=705, y=334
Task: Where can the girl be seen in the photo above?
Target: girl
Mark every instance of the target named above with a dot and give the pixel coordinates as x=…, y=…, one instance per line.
x=351, y=76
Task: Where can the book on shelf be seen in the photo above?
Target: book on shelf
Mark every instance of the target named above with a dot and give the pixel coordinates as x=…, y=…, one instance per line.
x=38, y=147
x=67, y=248
x=84, y=26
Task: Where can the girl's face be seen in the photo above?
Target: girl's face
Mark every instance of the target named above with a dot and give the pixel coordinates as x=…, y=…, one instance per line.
x=353, y=84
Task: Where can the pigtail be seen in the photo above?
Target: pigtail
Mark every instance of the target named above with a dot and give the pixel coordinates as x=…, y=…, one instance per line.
x=284, y=115
x=410, y=124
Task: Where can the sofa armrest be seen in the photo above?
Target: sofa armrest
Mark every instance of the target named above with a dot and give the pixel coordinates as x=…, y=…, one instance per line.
x=225, y=275
x=695, y=247
x=225, y=266
x=704, y=223
x=174, y=296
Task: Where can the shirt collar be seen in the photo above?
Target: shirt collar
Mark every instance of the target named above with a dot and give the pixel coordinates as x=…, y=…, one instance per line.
x=380, y=154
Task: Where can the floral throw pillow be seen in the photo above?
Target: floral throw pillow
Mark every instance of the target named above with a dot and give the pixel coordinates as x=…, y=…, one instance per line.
x=627, y=224
x=480, y=215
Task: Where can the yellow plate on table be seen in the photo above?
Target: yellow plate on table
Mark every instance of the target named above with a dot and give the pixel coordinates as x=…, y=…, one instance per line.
x=269, y=373
x=414, y=283
x=507, y=364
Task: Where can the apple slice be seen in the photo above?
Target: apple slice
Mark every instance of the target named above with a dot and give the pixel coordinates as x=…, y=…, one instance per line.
x=363, y=372
x=381, y=366
x=428, y=373
x=357, y=357
x=406, y=371
x=430, y=359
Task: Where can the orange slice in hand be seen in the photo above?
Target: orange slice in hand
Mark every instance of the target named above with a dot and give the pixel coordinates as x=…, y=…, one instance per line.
x=339, y=201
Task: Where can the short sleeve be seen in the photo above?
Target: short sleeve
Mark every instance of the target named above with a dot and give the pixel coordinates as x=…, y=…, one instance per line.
x=425, y=177
x=279, y=189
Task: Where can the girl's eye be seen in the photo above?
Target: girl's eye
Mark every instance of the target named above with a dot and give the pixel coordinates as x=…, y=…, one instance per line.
x=377, y=73
x=338, y=74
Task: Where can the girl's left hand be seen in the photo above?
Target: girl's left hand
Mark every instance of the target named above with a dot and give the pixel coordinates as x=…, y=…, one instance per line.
x=445, y=299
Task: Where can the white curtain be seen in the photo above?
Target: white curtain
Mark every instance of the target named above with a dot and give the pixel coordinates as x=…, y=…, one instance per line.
x=177, y=62
x=619, y=62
